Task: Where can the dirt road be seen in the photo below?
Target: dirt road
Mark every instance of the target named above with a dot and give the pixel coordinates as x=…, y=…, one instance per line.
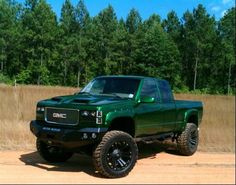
x=28, y=167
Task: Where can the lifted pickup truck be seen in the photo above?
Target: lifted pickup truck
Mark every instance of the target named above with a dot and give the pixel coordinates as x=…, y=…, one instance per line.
x=109, y=116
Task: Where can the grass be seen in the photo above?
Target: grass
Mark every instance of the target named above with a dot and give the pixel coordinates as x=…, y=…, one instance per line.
x=217, y=129
x=17, y=108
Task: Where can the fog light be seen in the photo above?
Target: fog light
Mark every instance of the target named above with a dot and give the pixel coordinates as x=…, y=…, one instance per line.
x=42, y=109
x=49, y=142
x=94, y=135
x=93, y=113
x=85, y=136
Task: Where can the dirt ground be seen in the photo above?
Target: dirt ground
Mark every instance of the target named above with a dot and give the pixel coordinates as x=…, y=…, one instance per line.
x=159, y=167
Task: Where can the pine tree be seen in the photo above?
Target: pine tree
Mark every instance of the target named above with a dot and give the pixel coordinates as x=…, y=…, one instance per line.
x=172, y=26
x=119, y=47
x=82, y=21
x=10, y=46
x=106, y=25
x=40, y=31
x=198, y=39
x=227, y=35
x=133, y=21
x=66, y=43
x=195, y=52
x=160, y=54
x=135, y=37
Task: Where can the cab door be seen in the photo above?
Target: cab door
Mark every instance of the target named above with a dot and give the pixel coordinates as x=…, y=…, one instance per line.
x=168, y=106
x=149, y=116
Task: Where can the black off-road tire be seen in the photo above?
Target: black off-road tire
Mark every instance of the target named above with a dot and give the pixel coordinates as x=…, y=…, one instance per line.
x=187, y=141
x=52, y=154
x=116, y=155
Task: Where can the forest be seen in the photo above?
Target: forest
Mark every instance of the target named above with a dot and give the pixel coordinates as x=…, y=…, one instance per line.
x=195, y=52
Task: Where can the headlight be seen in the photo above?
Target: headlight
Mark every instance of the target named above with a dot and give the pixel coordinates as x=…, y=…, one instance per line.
x=86, y=113
x=93, y=113
x=42, y=109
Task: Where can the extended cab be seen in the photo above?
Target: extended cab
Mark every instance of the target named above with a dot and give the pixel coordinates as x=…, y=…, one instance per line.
x=111, y=114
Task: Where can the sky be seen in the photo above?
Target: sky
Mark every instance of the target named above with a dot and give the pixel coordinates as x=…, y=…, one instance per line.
x=148, y=7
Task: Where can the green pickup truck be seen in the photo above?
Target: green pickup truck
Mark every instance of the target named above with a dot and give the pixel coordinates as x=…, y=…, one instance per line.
x=109, y=116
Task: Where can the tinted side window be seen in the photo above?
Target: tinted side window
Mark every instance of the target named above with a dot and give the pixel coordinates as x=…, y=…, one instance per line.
x=165, y=91
x=149, y=88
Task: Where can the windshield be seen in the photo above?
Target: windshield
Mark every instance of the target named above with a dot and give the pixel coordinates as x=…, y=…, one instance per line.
x=120, y=87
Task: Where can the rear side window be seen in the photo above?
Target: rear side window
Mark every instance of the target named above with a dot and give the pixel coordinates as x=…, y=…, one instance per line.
x=149, y=88
x=165, y=91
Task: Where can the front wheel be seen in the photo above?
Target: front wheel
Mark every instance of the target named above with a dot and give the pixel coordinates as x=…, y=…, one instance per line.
x=116, y=155
x=52, y=154
x=187, y=141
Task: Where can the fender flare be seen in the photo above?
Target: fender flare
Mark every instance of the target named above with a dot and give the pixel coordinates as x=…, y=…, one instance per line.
x=188, y=113
x=118, y=114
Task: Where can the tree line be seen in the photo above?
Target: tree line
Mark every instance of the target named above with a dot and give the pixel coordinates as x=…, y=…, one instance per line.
x=194, y=52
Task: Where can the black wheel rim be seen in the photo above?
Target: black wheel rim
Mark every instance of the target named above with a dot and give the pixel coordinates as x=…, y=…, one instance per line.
x=119, y=156
x=193, y=139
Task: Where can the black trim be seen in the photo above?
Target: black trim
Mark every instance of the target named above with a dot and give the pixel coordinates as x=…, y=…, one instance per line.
x=65, y=137
x=151, y=138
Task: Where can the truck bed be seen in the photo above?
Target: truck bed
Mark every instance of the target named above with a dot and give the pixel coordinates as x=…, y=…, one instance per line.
x=188, y=104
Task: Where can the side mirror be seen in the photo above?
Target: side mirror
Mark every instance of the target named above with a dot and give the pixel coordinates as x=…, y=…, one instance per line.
x=146, y=99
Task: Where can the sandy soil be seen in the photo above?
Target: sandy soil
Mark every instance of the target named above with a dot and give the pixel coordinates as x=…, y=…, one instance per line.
x=153, y=167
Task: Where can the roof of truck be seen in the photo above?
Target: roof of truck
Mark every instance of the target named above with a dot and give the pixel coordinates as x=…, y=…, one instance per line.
x=124, y=76
x=128, y=76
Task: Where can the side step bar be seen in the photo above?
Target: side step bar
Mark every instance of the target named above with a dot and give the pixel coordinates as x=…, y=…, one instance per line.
x=159, y=137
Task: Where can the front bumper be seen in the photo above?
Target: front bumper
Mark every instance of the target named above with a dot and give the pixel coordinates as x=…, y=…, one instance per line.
x=66, y=137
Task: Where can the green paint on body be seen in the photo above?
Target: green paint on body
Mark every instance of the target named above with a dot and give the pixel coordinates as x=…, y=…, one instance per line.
x=150, y=115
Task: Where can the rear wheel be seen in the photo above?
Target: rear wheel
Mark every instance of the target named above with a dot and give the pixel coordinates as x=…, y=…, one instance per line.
x=187, y=141
x=116, y=154
x=52, y=154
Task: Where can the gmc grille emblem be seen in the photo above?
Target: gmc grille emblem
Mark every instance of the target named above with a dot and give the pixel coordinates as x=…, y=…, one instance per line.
x=59, y=115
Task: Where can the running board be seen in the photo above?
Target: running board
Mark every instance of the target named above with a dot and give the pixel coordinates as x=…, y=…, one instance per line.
x=159, y=137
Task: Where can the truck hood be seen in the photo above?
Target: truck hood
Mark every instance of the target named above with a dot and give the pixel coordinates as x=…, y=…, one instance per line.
x=93, y=100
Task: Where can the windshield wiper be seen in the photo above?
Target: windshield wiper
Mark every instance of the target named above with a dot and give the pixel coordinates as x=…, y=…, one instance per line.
x=114, y=94
x=86, y=93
